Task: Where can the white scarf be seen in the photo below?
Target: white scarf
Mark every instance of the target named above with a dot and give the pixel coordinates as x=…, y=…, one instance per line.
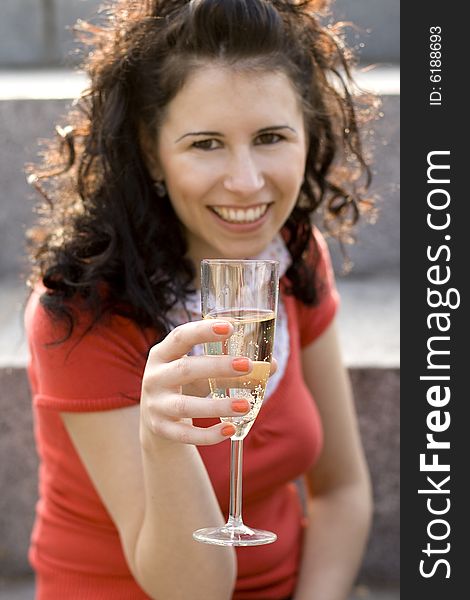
x=191, y=311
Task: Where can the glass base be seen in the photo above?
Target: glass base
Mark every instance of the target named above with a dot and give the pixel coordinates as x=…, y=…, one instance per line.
x=234, y=536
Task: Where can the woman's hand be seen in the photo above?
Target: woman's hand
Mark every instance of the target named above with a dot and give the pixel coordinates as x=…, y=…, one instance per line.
x=166, y=410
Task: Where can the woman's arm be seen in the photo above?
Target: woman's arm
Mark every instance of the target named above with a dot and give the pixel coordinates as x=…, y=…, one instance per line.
x=155, y=487
x=339, y=502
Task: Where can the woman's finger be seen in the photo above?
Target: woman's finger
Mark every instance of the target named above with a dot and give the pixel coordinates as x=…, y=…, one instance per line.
x=179, y=406
x=186, y=433
x=189, y=368
x=181, y=339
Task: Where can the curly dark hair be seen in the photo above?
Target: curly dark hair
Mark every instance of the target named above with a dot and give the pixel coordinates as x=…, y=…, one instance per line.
x=104, y=236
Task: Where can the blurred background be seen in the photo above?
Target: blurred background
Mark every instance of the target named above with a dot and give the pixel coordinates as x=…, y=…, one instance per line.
x=37, y=84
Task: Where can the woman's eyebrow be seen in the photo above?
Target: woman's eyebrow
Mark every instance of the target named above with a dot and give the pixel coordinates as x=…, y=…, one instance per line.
x=276, y=128
x=195, y=133
x=219, y=134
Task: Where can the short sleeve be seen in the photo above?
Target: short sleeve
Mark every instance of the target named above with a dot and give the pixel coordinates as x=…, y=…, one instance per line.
x=313, y=320
x=99, y=369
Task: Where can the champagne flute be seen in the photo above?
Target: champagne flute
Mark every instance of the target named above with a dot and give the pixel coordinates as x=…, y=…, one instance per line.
x=245, y=293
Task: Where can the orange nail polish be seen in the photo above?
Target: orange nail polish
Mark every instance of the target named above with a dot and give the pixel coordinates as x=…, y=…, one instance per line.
x=240, y=406
x=221, y=328
x=228, y=430
x=241, y=364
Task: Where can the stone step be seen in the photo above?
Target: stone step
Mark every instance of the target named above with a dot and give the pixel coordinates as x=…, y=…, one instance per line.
x=376, y=393
x=375, y=30
x=368, y=322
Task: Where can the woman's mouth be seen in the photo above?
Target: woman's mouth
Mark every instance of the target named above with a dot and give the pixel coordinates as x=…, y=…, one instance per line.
x=240, y=215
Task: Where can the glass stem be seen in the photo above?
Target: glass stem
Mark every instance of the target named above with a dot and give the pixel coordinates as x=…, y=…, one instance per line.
x=236, y=464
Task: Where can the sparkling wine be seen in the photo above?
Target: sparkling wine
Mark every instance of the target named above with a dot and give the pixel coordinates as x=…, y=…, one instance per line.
x=253, y=337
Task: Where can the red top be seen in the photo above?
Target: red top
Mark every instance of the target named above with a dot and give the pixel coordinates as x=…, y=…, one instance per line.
x=75, y=548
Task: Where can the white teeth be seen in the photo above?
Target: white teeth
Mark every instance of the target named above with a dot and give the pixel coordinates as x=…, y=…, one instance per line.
x=240, y=215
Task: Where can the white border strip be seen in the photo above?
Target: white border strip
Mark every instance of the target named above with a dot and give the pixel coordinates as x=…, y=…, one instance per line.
x=384, y=81
x=68, y=84
x=41, y=84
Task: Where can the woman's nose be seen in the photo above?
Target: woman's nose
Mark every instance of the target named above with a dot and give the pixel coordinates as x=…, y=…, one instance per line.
x=244, y=176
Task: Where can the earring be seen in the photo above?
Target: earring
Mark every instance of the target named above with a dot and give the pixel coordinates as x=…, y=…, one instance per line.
x=160, y=188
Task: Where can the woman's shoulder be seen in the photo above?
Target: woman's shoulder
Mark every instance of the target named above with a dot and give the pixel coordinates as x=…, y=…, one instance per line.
x=52, y=329
x=97, y=360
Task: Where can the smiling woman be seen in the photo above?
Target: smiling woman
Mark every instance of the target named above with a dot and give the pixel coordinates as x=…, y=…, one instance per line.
x=232, y=172
x=211, y=129
x=104, y=156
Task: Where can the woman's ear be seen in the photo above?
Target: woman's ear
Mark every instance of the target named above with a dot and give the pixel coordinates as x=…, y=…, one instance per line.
x=148, y=147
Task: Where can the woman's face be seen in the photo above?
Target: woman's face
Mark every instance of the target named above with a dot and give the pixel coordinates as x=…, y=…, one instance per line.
x=232, y=151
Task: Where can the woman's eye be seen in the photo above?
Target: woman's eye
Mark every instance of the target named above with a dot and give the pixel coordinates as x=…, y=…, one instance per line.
x=210, y=144
x=269, y=138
